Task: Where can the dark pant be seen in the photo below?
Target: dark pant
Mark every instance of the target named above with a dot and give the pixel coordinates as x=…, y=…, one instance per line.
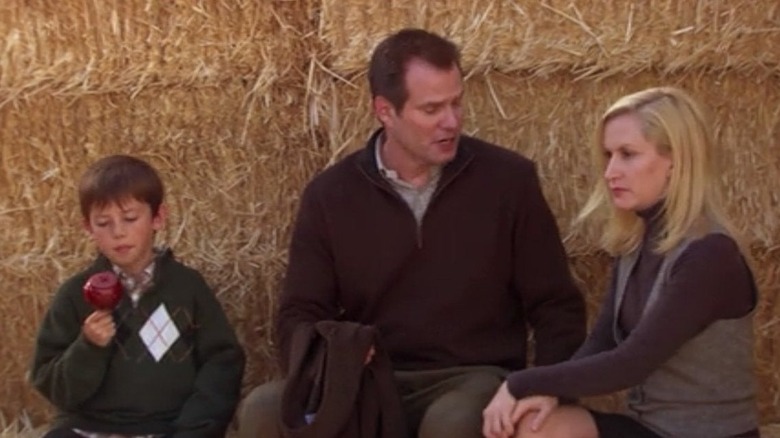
x=448, y=402
x=437, y=403
x=62, y=432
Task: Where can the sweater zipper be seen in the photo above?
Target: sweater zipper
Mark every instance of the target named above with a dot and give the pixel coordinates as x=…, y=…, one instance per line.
x=418, y=226
x=435, y=195
x=395, y=195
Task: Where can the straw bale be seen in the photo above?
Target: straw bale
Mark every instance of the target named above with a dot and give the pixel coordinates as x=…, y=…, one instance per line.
x=73, y=47
x=590, y=38
x=771, y=431
x=767, y=318
x=20, y=427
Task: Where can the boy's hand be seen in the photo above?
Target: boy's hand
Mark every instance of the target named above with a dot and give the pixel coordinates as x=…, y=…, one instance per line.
x=99, y=328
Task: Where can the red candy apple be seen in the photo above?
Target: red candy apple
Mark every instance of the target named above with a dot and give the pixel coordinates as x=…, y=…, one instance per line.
x=103, y=290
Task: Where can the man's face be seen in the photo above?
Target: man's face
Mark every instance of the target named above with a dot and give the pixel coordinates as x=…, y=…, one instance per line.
x=424, y=132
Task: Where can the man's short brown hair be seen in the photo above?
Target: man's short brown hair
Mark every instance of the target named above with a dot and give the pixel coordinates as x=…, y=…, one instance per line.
x=387, y=68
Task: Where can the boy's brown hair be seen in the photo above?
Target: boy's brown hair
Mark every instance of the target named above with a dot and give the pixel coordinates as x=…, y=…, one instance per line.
x=117, y=178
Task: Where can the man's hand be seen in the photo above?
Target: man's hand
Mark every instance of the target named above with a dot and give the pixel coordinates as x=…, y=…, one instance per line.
x=99, y=328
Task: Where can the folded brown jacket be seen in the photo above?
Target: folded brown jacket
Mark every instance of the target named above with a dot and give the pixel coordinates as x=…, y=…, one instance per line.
x=331, y=393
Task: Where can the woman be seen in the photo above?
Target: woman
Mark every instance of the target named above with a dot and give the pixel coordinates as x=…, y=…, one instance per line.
x=676, y=326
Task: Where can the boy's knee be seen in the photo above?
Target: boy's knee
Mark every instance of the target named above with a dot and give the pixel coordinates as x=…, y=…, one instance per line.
x=259, y=412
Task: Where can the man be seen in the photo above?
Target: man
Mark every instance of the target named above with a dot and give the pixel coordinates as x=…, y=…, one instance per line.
x=442, y=242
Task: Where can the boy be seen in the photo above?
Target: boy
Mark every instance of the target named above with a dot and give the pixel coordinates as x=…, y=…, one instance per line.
x=165, y=361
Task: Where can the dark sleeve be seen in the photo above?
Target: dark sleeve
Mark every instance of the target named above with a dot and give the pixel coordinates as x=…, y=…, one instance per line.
x=67, y=369
x=209, y=409
x=601, y=337
x=553, y=305
x=309, y=288
x=710, y=281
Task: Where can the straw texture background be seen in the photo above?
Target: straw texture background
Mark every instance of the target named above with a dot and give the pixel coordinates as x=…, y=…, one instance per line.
x=239, y=103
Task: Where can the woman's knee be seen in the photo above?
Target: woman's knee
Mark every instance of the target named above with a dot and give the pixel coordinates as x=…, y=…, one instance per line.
x=563, y=422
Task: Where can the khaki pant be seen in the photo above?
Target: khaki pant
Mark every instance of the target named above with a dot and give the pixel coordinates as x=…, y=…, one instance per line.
x=444, y=403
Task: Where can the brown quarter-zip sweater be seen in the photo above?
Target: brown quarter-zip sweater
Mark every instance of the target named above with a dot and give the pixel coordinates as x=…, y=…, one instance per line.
x=460, y=288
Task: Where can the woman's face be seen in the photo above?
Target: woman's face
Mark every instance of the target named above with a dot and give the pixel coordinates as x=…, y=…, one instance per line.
x=636, y=174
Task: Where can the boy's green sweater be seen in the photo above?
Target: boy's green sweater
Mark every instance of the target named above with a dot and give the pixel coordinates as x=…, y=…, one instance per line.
x=193, y=389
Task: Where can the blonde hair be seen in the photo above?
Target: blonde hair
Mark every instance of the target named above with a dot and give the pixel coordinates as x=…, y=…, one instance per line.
x=678, y=126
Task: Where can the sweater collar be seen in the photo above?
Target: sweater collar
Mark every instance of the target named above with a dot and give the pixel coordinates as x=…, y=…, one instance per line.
x=162, y=256
x=367, y=159
x=653, y=219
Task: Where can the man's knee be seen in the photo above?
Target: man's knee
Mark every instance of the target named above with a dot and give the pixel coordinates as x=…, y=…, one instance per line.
x=259, y=412
x=458, y=413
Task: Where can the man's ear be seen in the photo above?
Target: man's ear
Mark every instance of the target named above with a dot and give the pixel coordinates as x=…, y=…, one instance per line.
x=383, y=109
x=158, y=221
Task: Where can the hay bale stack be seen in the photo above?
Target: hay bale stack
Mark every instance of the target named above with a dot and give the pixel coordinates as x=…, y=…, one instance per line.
x=591, y=39
x=239, y=104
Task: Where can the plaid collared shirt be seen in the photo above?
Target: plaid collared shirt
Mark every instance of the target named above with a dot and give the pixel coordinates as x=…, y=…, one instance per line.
x=135, y=286
x=86, y=434
x=417, y=198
